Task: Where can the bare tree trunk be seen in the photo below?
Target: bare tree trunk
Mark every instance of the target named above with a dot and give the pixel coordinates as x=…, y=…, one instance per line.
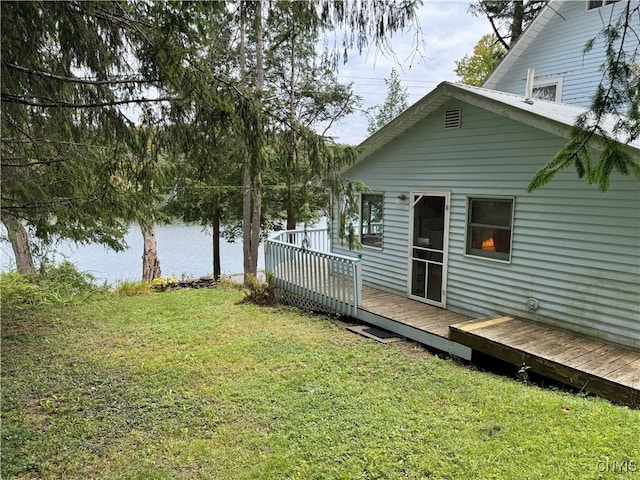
x=292, y=219
x=252, y=175
x=518, y=20
x=215, y=224
x=150, y=262
x=291, y=210
x=19, y=239
x=251, y=212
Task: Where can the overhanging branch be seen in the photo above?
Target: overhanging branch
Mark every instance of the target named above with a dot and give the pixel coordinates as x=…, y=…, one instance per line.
x=49, y=103
x=83, y=81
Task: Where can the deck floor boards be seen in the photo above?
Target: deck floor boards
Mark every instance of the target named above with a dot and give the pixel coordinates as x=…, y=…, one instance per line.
x=410, y=312
x=606, y=370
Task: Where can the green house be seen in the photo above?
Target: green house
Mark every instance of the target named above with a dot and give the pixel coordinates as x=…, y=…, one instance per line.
x=448, y=222
x=456, y=228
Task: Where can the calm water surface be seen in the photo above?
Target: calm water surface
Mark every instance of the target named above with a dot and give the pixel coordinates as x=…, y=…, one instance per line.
x=182, y=250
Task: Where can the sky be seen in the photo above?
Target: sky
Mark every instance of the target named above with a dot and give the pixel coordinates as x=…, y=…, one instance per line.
x=449, y=33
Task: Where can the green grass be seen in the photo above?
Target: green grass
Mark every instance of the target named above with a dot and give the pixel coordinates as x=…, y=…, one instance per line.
x=192, y=384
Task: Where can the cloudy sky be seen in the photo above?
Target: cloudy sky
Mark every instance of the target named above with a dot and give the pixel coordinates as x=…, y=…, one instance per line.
x=449, y=33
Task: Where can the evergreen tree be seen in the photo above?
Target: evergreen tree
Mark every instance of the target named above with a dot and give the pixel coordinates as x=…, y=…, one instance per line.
x=67, y=69
x=362, y=22
x=394, y=104
x=311, y=99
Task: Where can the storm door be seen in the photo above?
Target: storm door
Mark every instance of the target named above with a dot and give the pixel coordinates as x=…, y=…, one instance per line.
x=428, y=245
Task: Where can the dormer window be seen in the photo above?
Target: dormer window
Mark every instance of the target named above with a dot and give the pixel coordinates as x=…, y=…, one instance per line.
x=592, y=4
x=548, y=89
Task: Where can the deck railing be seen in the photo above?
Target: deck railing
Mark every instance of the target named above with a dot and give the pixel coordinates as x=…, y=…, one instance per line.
x=302, y=265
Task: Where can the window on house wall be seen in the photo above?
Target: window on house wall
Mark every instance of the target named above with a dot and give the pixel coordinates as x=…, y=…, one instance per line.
x=548, y=89
x=591, y=4
x=371, y=219
x=489, y=226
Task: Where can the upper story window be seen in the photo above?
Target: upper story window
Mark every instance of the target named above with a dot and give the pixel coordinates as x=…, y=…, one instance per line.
x=591, y=4
x=489, y=225
x=548, y=89
x=371, y=219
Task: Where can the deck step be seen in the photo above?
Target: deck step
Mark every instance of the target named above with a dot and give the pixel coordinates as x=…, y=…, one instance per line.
x=602, y=369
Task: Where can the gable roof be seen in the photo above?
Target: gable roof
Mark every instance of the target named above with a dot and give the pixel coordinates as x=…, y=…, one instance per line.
x=552, y=117
x=523, y=42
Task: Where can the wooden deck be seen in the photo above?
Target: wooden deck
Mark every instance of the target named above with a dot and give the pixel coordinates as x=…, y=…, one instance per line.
x=323, y=281
x=412, y=319
x=605, y=370
x=410, y=312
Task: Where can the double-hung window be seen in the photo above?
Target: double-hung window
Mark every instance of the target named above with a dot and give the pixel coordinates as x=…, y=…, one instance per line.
x=371, y=219
x=489, y=227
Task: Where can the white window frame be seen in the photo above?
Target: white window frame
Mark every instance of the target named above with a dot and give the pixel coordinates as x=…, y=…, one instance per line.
x=604, y=4
x=360, y=226
x=547, y=82
x=467, y=239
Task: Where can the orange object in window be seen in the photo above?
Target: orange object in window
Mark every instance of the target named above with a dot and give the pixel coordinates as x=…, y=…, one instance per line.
x=489, y=245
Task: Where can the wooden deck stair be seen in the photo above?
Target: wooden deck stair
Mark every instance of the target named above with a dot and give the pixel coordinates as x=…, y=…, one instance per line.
x=606, y=370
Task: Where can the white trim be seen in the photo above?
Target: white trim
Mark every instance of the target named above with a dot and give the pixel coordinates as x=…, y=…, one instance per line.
x=445, y=246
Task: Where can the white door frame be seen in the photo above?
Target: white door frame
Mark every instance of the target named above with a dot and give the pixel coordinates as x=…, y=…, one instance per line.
x=445, y=244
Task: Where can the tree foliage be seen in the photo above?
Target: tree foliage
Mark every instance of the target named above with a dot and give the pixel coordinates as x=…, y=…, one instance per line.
x=361, y=23
x=474, y=69
x=394, y=104
x=68, y=70
x=71, y=69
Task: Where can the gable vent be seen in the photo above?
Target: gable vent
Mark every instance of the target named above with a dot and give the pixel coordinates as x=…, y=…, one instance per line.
x=452, y=118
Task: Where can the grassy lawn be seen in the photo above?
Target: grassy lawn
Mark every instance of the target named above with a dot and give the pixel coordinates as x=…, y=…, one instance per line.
x=191, y=384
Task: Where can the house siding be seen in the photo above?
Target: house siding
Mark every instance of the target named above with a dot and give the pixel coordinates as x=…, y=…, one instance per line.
x=574, y=249
x=558, y=52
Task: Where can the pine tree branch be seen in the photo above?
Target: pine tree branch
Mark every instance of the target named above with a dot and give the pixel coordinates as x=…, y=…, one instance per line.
x=50, y=103
x=498, y=34
x=51, y=142
x=83, y=81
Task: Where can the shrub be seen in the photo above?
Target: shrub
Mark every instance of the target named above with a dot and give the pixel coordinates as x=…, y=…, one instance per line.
x=19, y=291
x=225, y=282
x=65, y=279
x=263, y=294
x=55, y=285
x=164, y=283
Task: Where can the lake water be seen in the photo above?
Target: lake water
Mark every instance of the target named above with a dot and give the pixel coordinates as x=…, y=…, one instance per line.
x=182, y=250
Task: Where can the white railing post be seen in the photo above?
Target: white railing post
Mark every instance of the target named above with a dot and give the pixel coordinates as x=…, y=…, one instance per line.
x=268, y=261
x=357, y=285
